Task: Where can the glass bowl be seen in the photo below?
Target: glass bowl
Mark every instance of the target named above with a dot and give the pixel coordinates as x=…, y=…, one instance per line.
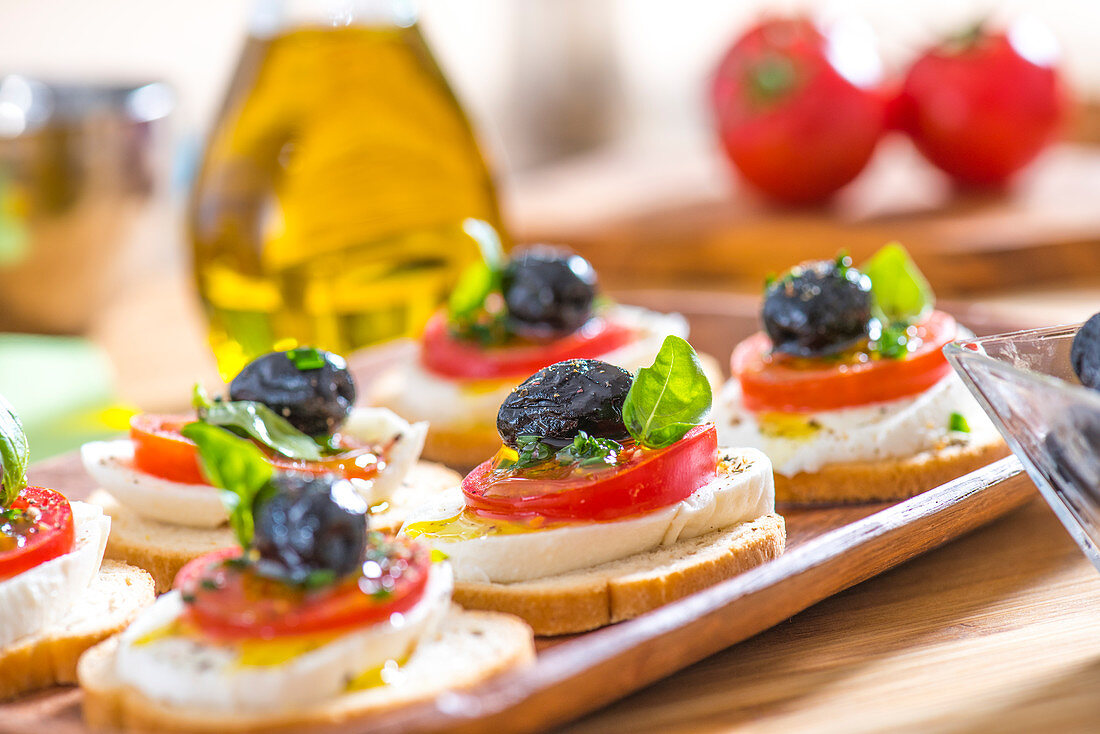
x=1025, y=383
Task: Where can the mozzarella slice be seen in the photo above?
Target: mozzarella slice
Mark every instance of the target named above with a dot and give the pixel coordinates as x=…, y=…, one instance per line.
x=878, y=432
x=43, y=595
x=181, y=670
x=111, y=465
x=737, y=496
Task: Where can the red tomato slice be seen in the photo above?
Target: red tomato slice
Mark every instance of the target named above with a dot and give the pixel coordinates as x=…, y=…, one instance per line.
x=791, y=385
x=648, y=479
x=232, y=603
x=459, y=359
x=42, y=530
x=161, y=450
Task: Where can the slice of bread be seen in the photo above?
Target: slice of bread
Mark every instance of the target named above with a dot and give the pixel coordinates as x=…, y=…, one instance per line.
x=49, y=657
x=470, y=647
x=163, y=549
x=883, y=480
x=593, y=597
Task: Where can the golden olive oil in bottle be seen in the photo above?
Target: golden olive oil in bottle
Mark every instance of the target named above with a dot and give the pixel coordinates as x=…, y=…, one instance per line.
x=329, y=206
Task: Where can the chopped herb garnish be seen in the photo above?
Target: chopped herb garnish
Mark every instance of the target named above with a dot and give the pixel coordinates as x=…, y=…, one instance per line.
x=893, y=342
x=958, y=423
x=589, y=450
x=209, y=584
x=306, y=358
x=532, y=451
x=319, y=578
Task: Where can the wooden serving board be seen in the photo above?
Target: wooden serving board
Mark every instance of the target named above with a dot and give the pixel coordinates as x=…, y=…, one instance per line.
x=829, y=549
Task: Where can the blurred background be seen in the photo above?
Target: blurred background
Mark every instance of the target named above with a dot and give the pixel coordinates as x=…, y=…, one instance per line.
x=594, y=119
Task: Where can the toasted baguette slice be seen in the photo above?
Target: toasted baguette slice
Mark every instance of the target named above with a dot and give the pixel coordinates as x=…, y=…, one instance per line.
x=593, y=597
x=882, y=480
x=163, y=549
x=49, y=657
x=470, y=647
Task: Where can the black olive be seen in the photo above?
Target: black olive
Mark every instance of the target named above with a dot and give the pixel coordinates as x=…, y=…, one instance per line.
x=315, y=399
x=548, y=291
x=1073, y=443
x=1085, y=353
x=558, y=401
x=818, y=308
x=308, y=523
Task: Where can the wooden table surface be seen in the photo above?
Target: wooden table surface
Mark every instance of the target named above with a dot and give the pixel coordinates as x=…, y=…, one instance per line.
x=999, y=631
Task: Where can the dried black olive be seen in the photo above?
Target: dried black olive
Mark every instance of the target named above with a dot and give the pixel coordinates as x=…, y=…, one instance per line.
x=548, y=291
x=307, y=524
x=818, y=308
x=558, y=401
x=311, y=388
x=1084, y=355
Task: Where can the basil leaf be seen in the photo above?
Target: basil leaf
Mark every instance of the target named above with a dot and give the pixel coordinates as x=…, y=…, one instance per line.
x=237, y=467
x=900, y=292
x=199, y=398
x=474, y=286
x=481, y=279
x=263, y=424
x=14, y=454
x=669, y=398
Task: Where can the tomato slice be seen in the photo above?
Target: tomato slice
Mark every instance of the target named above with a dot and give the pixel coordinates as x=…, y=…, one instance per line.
x=36, y=528
x=770, y=383
x=460, y=359
x=161, y=450
x=230, y=602
x=643, y=480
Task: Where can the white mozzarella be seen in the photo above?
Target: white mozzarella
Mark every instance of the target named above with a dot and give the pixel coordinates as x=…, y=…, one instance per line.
x=111, y=465
x=381, y=426
x=500, y=557
x=43, y=595
x=180, y=670
x=419, y=394
x=890, y=430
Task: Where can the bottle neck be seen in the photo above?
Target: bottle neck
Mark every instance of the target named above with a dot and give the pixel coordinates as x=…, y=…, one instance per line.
x=270, y=17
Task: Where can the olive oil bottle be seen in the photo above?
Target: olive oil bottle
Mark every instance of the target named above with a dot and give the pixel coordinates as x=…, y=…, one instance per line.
x=329, y=206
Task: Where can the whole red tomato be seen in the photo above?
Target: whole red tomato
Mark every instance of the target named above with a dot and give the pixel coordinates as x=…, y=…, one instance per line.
x=797, y=108
x=982, y=105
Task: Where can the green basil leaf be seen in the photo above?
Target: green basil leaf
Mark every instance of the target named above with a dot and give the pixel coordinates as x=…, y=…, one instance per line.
x=958, y=423
x=474, y=285
x=14, y=454
x=481, y=279
x=237, y=467
x=263, y=424
x=669, y=398
x=901, y=293
x=200, y=400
